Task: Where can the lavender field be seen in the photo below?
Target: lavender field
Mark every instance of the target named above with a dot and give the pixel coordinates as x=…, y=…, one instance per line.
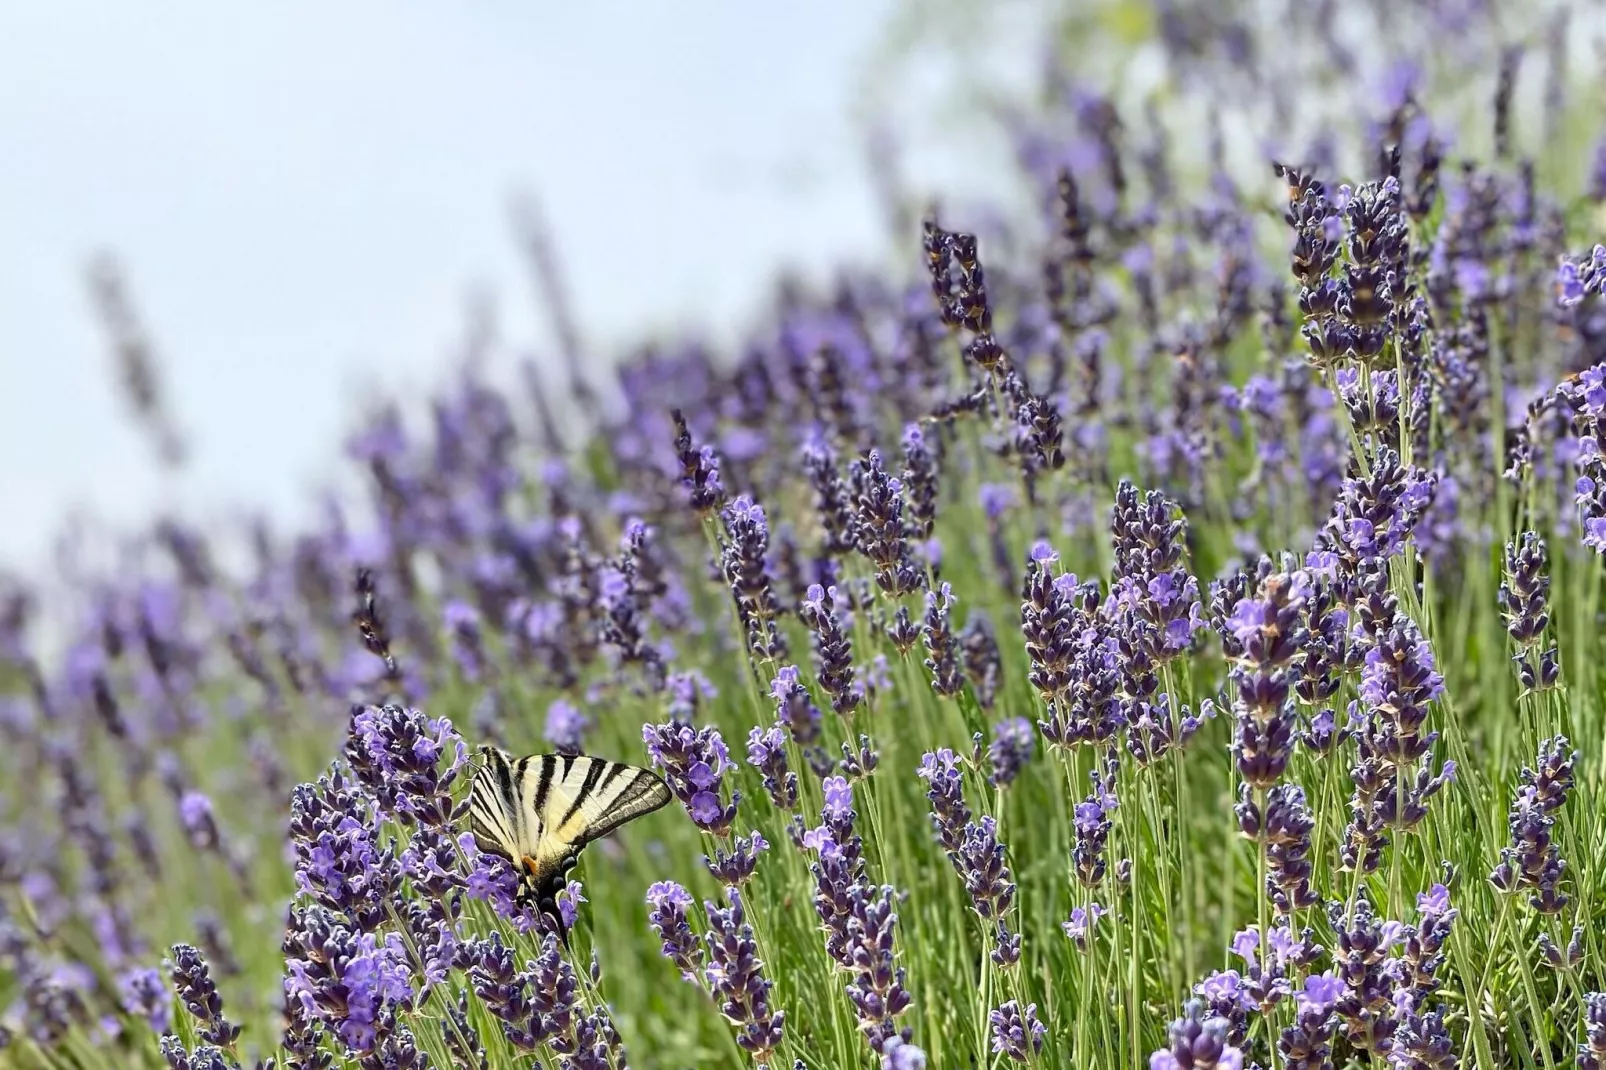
x=1158, y=628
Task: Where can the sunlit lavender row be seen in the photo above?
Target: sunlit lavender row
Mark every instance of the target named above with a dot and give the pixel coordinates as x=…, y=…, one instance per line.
x=1156, y=628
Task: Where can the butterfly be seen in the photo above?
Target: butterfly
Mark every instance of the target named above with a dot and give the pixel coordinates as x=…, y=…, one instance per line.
x=540, y=810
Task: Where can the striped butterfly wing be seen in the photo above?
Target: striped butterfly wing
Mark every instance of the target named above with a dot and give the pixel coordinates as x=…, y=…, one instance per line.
x=539, y=811
x=579, y=799
x=495, y=813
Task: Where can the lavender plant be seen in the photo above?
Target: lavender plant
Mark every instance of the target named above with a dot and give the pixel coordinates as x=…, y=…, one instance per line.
x=1021, y=517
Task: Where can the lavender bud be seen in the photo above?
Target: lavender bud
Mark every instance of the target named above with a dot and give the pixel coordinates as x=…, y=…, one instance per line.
x=1016, y=1034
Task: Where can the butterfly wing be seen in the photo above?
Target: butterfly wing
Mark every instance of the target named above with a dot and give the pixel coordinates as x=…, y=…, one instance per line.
x=539, y=811
x=583, y=799
x=496, y=815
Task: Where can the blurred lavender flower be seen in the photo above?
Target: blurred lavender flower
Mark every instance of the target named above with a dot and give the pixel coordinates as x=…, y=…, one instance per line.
x=1011, y=749
x=145, y=996
x=898, y=1054
x=1592, y=1052
x=941, y=644
x=565, y=728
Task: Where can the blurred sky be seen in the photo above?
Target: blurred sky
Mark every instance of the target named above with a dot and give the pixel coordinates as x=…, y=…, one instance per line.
x=303, y=194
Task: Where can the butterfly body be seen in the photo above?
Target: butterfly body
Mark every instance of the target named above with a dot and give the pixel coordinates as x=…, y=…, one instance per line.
x=540, y=810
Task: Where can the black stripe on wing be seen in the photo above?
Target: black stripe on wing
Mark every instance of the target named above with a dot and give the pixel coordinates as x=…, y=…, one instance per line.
x=593, y=774
x=493, y=806
x=636, y=792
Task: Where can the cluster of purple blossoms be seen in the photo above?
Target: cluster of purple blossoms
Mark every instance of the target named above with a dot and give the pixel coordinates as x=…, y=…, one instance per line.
x=1016, y=1033
x=1197, y=1043
x=1074, y=660
x=794, y=706
x=833, y=654
x=1155, y=600
x=744, y=548
x=1592, y=1052
x=1585, y=397
x=1266, y=634
x=973, y=846
x=1532, y=861
x=942, y=647
x=694, y=762
x=1525, y=605
x=879, y=528
x=766, y=752
x=734, y=976
x=1375, y=514
x=858, y=919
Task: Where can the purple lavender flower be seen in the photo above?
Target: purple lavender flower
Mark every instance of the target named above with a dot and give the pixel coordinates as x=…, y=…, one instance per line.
x=1082, y=924
x=766, y=752
x=699, y=470
x=794, y=706
x=1533, y=861
x=565, y=728
x=941, y=644
x=1155, y=600
x=1366, y=1009
x=1524, y=603
x=1308, y=1043
x=735, y=867
x=833, y=655
x=879, y=526
x=687, y=692
x=192, y=981
x=983, y=663
x=200, y=826
x=1398, y=682
x=694, y=762
x=744, y=547
x=735, y=977
x=1016, y=1034
x=920, y=472
x=1268, y=633
x=949, y=814
x=396, y=752
x=462, y=623
x=899, y=1054
x=1011, y=749
x=1592, y=1052
x=1197, y=1044
x=145, y=996
x=351, y=981
x=669, y=919
x=1286, y=825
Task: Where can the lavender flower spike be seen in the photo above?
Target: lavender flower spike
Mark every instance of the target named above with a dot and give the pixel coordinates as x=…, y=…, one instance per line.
x=1016, y=1034
x=192, y=981
x=735, y=977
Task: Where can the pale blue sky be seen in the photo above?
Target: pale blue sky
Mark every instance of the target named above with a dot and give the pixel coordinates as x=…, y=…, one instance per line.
x=303, y=193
